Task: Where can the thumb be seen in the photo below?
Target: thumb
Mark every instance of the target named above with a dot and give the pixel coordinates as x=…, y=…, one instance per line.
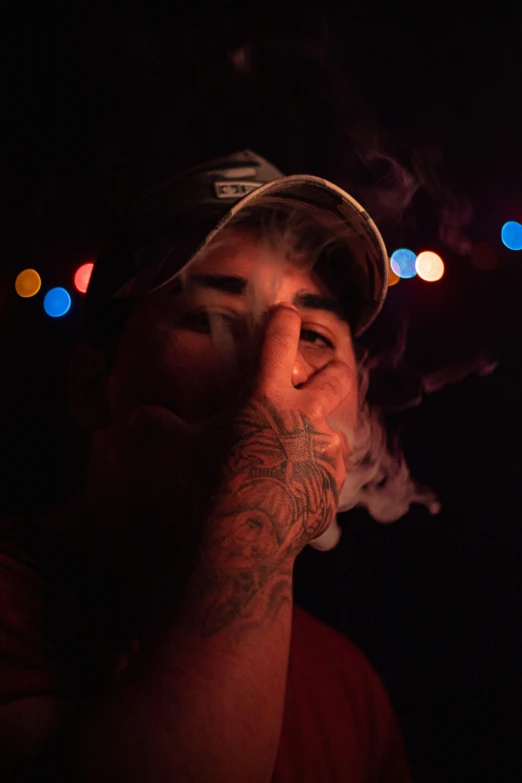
x=280, y=347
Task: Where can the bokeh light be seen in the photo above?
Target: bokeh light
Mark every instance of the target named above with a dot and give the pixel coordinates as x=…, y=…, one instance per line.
x=512, y=235
x=82, y=277
x=393, y=279
x=28, y=283
x=403, y=262
x=429, y=266
x=57, y=302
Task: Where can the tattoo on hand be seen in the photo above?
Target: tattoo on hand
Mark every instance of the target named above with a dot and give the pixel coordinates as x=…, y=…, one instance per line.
x=279, y=492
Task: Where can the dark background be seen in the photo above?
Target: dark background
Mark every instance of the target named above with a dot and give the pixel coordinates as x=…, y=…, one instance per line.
x=97, y=105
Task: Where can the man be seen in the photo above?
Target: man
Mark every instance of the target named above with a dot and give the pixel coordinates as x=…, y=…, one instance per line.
x=148, y=626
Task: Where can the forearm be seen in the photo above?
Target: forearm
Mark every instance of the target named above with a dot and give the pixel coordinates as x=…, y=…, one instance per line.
x=207, y=702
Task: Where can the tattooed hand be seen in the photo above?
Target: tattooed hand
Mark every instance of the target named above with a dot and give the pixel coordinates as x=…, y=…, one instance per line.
x=280, y=483
x=265, y=475
x=275, y=447
x=285, y=466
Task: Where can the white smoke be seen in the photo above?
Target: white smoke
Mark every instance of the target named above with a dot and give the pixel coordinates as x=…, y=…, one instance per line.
x=380, y=480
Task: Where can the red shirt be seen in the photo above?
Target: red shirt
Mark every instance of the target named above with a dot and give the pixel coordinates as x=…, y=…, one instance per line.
x=63, y=631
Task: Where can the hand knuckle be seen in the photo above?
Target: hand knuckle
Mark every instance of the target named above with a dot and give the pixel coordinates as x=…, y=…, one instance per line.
x=336, y=441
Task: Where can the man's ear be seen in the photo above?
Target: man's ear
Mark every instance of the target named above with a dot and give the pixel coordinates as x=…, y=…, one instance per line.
x=87, y=382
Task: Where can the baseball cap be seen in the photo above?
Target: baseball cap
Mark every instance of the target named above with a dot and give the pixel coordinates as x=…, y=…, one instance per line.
x=164, y=229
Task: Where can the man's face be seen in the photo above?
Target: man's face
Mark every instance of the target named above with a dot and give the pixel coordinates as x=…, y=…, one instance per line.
x=191, y=348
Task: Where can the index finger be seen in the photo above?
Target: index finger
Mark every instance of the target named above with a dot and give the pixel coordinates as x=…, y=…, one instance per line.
x=280, y=346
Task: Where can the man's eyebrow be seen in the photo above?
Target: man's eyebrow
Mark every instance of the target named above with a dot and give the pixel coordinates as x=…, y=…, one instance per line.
x=228, y=284
x=308, y=301
x=232, y=284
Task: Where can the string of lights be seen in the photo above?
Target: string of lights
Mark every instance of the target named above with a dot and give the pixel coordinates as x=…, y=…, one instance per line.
x=404, y=264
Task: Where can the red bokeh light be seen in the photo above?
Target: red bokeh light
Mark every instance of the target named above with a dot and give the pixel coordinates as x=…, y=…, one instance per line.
x=82, y=277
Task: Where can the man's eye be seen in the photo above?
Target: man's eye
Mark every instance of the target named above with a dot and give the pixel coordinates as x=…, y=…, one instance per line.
x=311, y=336
x=200, y=322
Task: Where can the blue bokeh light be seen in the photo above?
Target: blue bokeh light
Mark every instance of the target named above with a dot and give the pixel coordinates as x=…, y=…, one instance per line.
x=403, y=262
x=512, y=235
x=57, y=302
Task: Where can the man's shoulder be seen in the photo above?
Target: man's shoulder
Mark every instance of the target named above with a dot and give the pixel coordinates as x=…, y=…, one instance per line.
x=318, y=636
x=338, y=707
x=319, y=647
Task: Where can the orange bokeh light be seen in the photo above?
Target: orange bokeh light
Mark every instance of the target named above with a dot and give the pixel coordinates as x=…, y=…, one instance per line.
x=28, y=283
x=393, y=279
x=82, y=277
x=429, y=266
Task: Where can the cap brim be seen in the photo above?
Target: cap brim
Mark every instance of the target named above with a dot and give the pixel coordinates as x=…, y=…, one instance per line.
x=365, y=265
